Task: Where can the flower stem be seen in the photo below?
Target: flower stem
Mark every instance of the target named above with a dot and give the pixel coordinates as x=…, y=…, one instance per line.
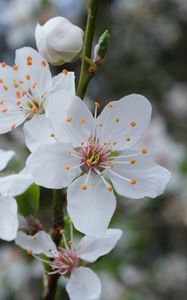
x=85, y=75
x=50, y=281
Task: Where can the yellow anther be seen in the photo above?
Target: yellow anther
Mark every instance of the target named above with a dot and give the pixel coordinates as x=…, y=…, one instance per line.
x=133, y=181
x=67, y=167
x=65, y=72
x=117, y=120
x=13, y=126
x=82, y=121
x=133, y=124
x=133, y=161
x=15, y=67
x=44, y=63
x=109, y=105
x=69, y=119
x=89, y=161
x=4, y=110
x=70, y=243
x=3, y=64
x=110, y=189
x=5, y=87
x=28, y=77
x=84, y=186
x=82, y=143
x=144, y=151
x=110, y=164
x=29, y=251
x=97, y=105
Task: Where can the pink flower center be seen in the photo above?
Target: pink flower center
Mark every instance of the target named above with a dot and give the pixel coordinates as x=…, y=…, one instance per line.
x=94, y=156
x=65, y=262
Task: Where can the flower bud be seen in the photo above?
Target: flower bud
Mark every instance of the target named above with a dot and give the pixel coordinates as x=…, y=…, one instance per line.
x=101, y=48
x=58, y=40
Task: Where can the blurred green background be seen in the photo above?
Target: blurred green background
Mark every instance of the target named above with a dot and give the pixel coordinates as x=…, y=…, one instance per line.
x=147, y=55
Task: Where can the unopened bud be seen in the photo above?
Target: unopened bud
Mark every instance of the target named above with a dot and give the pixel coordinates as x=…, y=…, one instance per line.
x=101, y=47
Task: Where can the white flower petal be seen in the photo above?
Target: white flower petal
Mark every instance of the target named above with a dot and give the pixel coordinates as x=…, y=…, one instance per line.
x=39, y=243
x=64, y=81
x=15, y=184
x=11, y=118
x=8, y=218
x=5, y=157
x=90, y=210
x=124, y=121
x=52, y=165
x=90, y=248
x=39, y=70
x=84, y=285
x=150, y=178
x=38, y=132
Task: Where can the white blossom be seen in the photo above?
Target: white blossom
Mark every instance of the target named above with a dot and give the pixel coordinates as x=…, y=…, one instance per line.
x=58, y=40
x=10, y=186
x=101, y=152
x=83, y=283
x=25, y=87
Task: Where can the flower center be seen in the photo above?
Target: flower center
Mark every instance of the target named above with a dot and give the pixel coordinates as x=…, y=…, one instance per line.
x=94, y=156
x=65, y=262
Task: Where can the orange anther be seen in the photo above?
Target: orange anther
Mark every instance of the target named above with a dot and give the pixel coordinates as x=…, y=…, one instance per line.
x=29, y=251
x=133, y=124
x=18, y=95
x=82, y=121
x=144, y=151
x=65, y=72
x=28, y=77
x=44, y=63
x=133, y=161
x=13, y=126
x=4, y=110
x=1, y=80
x=15, y=67
x=133, y=181
x=110, y=189
x=97, y=105
x=69, y=119
x=109, y=105
x=20, y=81
x=84, y=186
x=18, y=102
x=34, y=109
x=5, y=87
x=24, y=93
x=1, y=102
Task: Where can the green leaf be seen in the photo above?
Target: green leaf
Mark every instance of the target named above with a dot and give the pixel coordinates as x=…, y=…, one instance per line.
x=104, y=43
x=28, y=202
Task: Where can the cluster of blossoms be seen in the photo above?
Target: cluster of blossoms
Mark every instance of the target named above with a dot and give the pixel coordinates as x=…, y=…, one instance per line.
x=90, y=155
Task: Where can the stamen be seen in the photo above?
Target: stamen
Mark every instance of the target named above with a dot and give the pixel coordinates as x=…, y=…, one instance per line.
x=110, y=105
x=69, y=119
x=133, y=124
x=4, y=110
x=133, y=181
x=144, y=151
x=65, y=72
x=82, y=121
x=3, y=64
x=15, y=67
x=44, y=63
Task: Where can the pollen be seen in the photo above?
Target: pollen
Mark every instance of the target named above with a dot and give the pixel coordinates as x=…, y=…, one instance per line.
x=3, y=64
x=13, y=126
x=65, y=72
x=84, y=186
x=82, y=121
x=133, y=181
x=117, y=120
x=133, y=124
x=15, y=67
x=28, y=77
x=69, y=119
x=18, y=95
x=1, y=80
x=67, y=167
x=109, y=105
x=4, y=110
x=133, y=161
x=97, y=105
x=144, y=151
x=110, y=189
x=5, y=87
x=44, y=63
x=18, y=102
